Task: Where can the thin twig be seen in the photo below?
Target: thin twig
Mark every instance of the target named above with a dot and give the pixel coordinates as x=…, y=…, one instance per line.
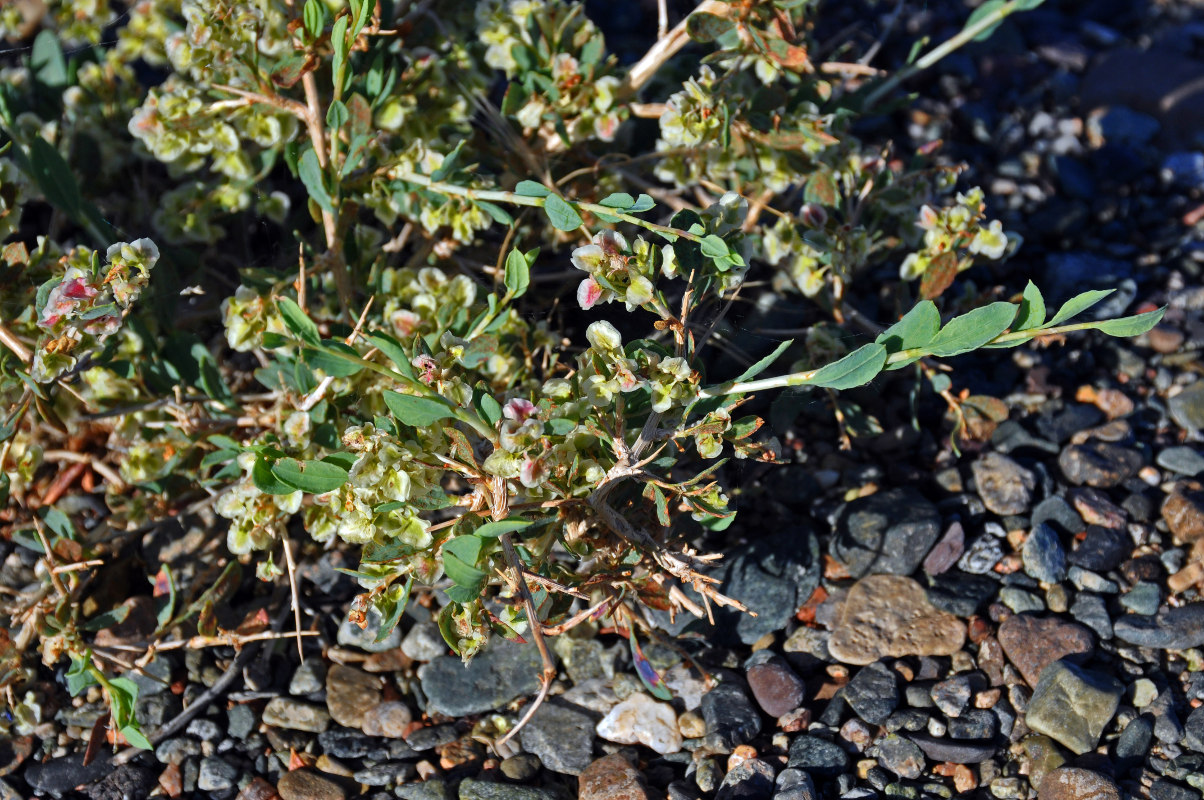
x=292, y=587
x=549, y=666
x=667, y=46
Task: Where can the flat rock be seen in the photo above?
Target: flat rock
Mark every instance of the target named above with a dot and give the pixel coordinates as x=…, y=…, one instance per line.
x=1073, y=705
x=1184, y=515
x=473, y=789
x=817, y=756
x=1072, y=783
x=611, y=778
x=350, y=694
x=304, y=784
x=751, y=779
x=888, y=532
x=60, y=775
x=504, y=671
x=1043, y=556
x=889, y=616
x=389, y=720
x=1172, y=629
x=1187, y=407
x=1032, y=643
x=641, y=720
x=952, y=751
x=873, y=693
x=729, y=715
x=776, y=687
x=773, y=577
x=1102, y=549
x=1099, y=464
x=562, y=735
x=285, y=712
x=1006, y=488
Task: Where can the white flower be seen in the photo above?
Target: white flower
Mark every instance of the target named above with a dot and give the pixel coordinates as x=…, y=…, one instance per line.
x=990, y=241
x=604, y=337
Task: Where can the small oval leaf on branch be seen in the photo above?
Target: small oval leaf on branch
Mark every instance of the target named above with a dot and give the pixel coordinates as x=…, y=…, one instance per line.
x=856, y=369
x=315, y=477
x=972, y=330
x=417, y=412
x=562, y=215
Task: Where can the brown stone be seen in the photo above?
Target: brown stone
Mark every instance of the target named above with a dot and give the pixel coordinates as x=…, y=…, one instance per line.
x=776, y=687
x=1165, y=339
x=350, y=693
x=1114, y=403
x=301, y=784
x=889, y=616
x=1096, y=509
x=1072, y=783
x=1184, y=515
x=258, y=789
x=1032, y=643
x=611, y=778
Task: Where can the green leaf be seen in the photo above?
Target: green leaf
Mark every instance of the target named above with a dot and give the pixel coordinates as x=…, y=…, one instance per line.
x=499, y=215
x=297, y=321
x=856, y=369
x=986, y=9
x=393, y=606
x=518, y=274
x=310, y=173
x=713, y=247
x=459, y=559
x=972, y=330
x=315, y=477
x=1032, y=309
x=418, y=412
x=314, y=18
x=916, y=329
x=265, y=479
x=393, y=351
x=337, y=115
x=763, y=364
x=109, y=618
x=46, y=60
x=448, y=165
x=134, y=735
x=337, y=360
x=492, y=530
x=532, y=189
x=490, y=409
x=562, y=215
x=642, y=203
x=619, y=200
x=361, y=9
x=704, y=27
x=1077, y=305
x=54, y=177
x=338, y=43
x=1131, y=326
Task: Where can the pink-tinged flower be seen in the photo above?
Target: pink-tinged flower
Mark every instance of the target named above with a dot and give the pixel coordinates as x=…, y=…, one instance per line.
x=77, y=289
x=532, y=473
x=590, y=293
x=426, y=368
x=406, y=322
x=518, y=409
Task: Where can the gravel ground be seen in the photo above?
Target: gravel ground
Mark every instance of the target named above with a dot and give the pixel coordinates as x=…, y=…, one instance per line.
x=1020, y=620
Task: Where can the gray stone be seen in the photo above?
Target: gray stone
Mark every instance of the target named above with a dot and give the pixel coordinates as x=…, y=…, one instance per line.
x=1165, y=789
x=1099, y=464
x=1059, y=513
x=1194, y=730
x=1019, y=600
x=1143, y=598
x=1183, y=460
x=955, y=752
x=1172, y=629
x=472, y=789
x=176, y=750
x=424, y=642
x=773, y=576
x=729, y=715
x=310, y=677
x=216, y=775
x=204, y=729
x=983, y=554
x=873, y=693
x=1187, y=407
x=818, y=757
x=960, y=593
x=502, y=672
x=1044, y=558
x=433, y=789
x=795, y=784
x=1167, y=727
x=285, y=712
x=888, y=532
x=1073, y=705
x=974, y=723
x=387, y=774
x=1102, y=549
x=352, y=635
x=1133, y=745
x=749, y=780
x=952, y=695
x=240, y=721
x=1006, y=488
x=562, y=735
x=901, y=756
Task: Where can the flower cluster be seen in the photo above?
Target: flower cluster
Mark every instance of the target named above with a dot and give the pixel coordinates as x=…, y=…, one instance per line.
x=257, y=519
x=617, y=271
x=565, y=76
x=374, y=504
x=88, y=302
x=953, y=229
x=247, y=316
x=75, y=21
x=220, y=36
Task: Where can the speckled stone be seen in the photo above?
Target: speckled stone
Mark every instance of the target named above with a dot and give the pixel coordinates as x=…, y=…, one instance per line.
x=888, y=616
x=1073, y=705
